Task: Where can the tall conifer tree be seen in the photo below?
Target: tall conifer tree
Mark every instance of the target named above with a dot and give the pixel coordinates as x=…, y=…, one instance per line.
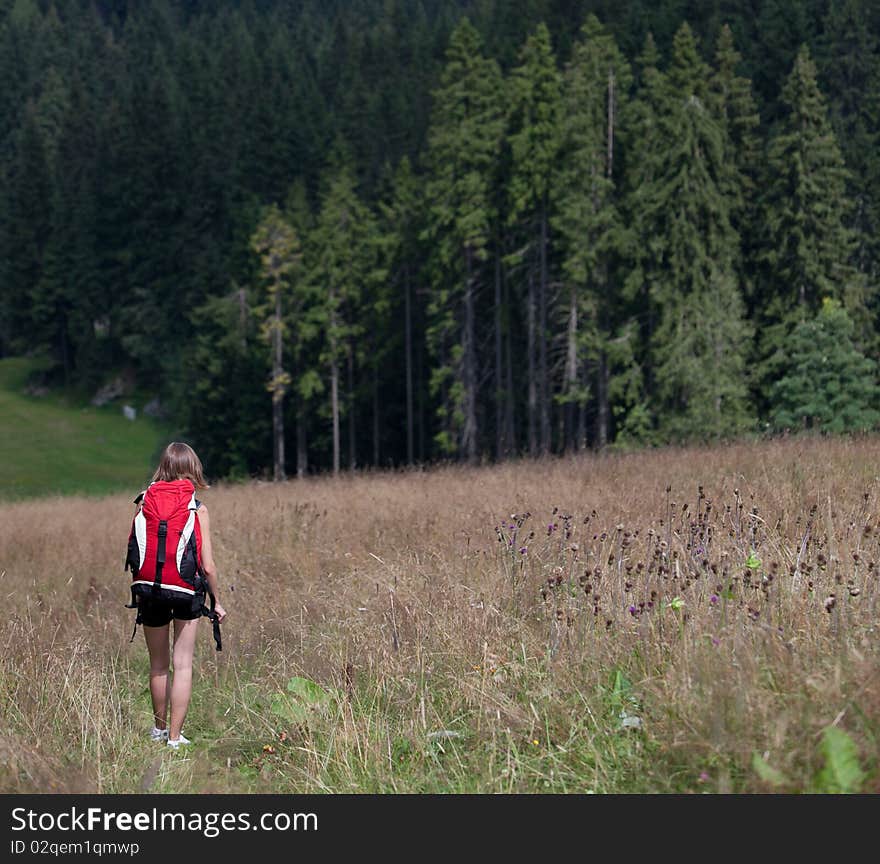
x=808, y=247
x=732, y=101
x=277, y=244
x=597, y=81
x=848, y=57
x=344, y=268
x=535, y=89
x=699, y=345
x=402, y=218
x=463, y=144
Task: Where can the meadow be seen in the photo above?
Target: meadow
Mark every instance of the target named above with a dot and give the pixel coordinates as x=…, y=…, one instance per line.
x=686, y=620
x=61, y=444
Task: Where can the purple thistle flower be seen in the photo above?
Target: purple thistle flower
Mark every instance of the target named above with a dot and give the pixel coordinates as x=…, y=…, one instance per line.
x=713, y=599
x=633, y=611
x=523, y=550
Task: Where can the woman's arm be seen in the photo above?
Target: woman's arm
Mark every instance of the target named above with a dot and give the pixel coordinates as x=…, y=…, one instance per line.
x=208, y=566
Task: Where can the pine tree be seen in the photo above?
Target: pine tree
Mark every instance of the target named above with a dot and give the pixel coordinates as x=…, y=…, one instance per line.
x=826, y=383
x=277, y=244
x=402, y=217
x=643, y=135
x=344, y=268
x=643, y=146
x=303, y=325
x=463, y=144
x=125, y=232
x=643, y=127
x=27, y=225
x=780, y=29
x=157, y=282
x=848, y=58
x=535, y=89
x=225, y=377
x=38, y=303
x=699, y=344
x=69, y=296
x=733, y=103
x=808, y=246
x=592, y=234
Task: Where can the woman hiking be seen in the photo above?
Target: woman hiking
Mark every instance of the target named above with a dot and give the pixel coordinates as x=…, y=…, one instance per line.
x=172, y=563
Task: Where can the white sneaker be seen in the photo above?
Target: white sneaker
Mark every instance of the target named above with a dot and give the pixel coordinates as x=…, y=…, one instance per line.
x=175, y=744
x=157, y=734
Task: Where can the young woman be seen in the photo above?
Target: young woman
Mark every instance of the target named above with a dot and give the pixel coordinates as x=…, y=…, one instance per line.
x=178, y=462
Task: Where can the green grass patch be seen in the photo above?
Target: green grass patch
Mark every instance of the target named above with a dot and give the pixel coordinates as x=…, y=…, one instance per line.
x=56, y=444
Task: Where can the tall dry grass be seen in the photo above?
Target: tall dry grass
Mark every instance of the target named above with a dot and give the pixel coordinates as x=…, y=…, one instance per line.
x=560, y=625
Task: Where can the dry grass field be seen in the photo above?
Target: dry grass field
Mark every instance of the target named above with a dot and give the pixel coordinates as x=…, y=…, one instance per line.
x=693, y=620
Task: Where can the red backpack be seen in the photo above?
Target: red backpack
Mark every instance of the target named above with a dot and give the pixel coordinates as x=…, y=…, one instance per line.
x=165, y=550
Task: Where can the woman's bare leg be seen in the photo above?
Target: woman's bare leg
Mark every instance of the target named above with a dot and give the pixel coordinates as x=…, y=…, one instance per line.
x=160, y=680
x=181, y=686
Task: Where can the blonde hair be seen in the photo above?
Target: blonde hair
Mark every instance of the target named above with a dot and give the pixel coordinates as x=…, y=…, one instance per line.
x=179, y=462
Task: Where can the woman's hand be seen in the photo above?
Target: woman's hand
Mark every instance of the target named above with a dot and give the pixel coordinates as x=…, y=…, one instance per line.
x=208, y=565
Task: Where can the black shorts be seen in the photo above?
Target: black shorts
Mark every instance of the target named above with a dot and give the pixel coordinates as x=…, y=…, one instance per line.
x=156, y=612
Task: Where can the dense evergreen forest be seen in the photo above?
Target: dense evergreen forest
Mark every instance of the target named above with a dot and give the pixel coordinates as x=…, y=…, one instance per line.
x=369, y=232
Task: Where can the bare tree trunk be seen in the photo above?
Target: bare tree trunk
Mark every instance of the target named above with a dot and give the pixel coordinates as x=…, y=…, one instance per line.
x=449, y=420
x=510, y=404
x=302, y=452
x=349, y=398
x=277, y=393
x=582, y=419
x=242, y=317
x=610, y=155
x=334, y=409
x=469, y=433
x=530, y=351
x=543, y=378
x=420, y=391
x=409, y=369
x=561, y=416
x=375, y=414
x=499, y=386
x=603, y=407
x=334, y=390
x=602, y=400
x=571, y=370
x=65, y=348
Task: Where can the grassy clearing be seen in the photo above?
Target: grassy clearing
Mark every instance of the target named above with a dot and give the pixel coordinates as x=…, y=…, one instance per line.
x=52, y=445
x=387, y=632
